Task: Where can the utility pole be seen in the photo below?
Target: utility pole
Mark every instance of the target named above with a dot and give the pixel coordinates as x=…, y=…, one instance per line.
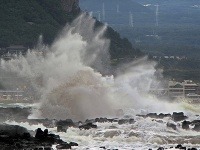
x=131, y=24
x=117, y=8
x=103, y=12
x=157, y=13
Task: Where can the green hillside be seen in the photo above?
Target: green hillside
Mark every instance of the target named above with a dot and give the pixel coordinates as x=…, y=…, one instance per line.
x=22, y=22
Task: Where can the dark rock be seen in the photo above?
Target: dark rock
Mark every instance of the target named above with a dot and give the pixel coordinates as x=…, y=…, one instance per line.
x=90, y=121
x=185, y=125
x=103, y=147
x=131, y=121
x=180, y=147
x=46, y=132
x=192, y=148
x=178, y=116
x=101, y=120
x=171, y=125
x=160, y=148
x=61, y=129
x=197, y=127
x=123, y=121
x=66, y=123
x=73, y=144
x=195, y=122
x=26, y=136
x=63, y=146
x=111, y=120
x=39, y=134
x=152, y=115
x=16, y=137
x=161, y=115
x=88, y=126
x=12, y=130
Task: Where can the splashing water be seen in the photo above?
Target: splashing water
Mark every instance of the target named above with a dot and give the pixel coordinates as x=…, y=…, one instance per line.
x=69, y=81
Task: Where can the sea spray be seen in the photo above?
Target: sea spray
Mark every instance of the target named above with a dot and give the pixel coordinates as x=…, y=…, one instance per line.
x=68, y=76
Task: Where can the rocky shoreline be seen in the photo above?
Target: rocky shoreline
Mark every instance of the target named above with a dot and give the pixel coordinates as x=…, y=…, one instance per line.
x=16, y=137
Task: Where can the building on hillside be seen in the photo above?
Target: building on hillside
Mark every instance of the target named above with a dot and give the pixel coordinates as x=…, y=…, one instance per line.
x=16, y=49
x=11, y=95
x=190, y=87
x=13, y=51
x=185, y=89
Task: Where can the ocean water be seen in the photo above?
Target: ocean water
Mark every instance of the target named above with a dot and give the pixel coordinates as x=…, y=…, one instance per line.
x=145, y=133
x=69, y=80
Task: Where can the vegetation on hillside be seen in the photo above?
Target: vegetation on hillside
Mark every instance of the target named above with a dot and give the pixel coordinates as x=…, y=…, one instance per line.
x=23, y=21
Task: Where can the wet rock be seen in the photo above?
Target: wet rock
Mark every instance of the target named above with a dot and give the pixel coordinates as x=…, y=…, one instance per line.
x=192, y=148
x=101, y=120
x=73, y=144
x=152, y=115
x=171, y=125
x=195, y=122
x=63, y=125
x=16, y=137
x=131, y=121
x=180, y=147
x=112, y=120
x=155, y=116
x=88, y=126
x=39, y=134
x=197, y=127
x=178, y=116
x=123, y=121
x=185, y=125
x=160, y=148
x=66, y=123
x=61, y=129
x=102, y=147
x=161, y=116
x=63, y=146
x=90, y=121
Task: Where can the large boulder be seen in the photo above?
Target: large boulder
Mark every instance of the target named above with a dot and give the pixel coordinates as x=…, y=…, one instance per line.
x=88, y=126
x=171, y=125
x=66, y=123
x=101, y=120
x=63, y=125
x=178, y=116
x=186, y=125
x=197, y=127
x=12, y=130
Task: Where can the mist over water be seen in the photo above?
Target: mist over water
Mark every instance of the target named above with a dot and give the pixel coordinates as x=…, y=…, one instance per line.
x=68, y=76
